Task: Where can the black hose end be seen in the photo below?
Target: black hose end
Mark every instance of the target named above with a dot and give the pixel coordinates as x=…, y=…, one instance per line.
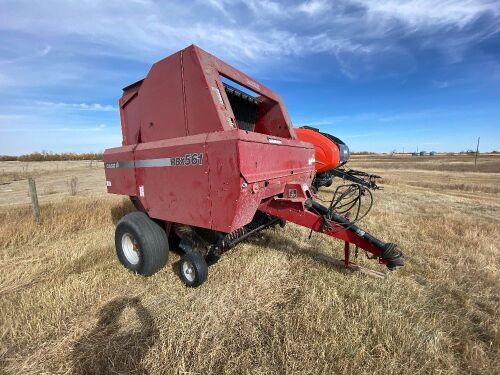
x=393, y=256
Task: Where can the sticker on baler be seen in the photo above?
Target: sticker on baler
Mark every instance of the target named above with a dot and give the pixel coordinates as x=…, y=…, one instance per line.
x=253, y=84
x=274, y=141
x=119, y=164
x=141, y=190
x=108, y=183
x=218, y=95
x=176, y=161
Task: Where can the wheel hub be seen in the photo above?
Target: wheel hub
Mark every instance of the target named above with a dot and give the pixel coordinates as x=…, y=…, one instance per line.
x=188, y=271
x=130, y=248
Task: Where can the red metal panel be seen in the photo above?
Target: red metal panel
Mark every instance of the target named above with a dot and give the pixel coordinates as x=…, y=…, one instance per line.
x=224, y=180
x=233, y=203
x=261, y=161
x=237, y=76
x=175, y=193
x=272, y=119
x=264, y=138
x=294, y=213
x=202, y=112
x=130, y=116
x=120, y=180
x=161, y=101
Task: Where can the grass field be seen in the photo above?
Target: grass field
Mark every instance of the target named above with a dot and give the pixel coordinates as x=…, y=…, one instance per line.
x=272, y=304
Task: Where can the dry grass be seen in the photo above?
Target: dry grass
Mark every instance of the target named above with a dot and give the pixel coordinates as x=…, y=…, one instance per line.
x=486, y=163
x=271, y=305
x=54, y=180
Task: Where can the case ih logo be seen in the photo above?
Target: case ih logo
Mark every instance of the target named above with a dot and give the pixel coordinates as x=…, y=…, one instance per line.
x=111, y=165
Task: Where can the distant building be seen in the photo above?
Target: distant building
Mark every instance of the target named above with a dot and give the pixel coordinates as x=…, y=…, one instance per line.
x=414, y=154
x=432, y=153
x=423, y=153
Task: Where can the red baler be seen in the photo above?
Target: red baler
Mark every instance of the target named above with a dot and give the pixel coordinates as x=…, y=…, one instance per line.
x=207, y=164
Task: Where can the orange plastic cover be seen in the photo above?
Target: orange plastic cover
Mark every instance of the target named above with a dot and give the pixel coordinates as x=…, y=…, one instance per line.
x=327, y=152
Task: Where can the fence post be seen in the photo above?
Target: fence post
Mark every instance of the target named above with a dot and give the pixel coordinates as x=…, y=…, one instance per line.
x=477, y=151
x=34, y=199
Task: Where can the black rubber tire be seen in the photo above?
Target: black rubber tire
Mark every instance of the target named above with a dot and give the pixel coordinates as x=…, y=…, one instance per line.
x=151, y=239
x=199, y=266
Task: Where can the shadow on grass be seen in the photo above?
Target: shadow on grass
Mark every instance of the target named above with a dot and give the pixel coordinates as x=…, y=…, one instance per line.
x=114, y=348
x=270, y=241
x=121, y=209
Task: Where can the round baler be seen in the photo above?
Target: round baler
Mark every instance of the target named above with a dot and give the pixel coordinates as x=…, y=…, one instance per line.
x=209, y=157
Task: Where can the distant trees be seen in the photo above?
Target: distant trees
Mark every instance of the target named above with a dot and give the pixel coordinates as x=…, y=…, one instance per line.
x=363, y=153
x=468, y=152
x=51, y=156
x=8, y=158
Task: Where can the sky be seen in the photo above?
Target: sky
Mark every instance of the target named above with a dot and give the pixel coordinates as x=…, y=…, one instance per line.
x=381, y=75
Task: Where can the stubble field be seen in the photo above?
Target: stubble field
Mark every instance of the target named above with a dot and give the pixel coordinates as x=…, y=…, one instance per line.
x=273, y=304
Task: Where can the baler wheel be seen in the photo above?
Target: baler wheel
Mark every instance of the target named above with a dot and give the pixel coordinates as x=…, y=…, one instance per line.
x=193, y=269
x=141, y=244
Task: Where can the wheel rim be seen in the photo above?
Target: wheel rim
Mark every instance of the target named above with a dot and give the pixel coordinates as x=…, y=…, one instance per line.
x=130, y=249
x=188, y=271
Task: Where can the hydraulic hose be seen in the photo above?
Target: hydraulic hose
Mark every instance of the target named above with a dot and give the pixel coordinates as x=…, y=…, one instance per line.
x=388, y=251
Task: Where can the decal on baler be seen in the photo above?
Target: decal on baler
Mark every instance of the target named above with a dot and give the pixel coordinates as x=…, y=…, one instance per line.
x=253, y=84
x=184, y=160
x=274, y=141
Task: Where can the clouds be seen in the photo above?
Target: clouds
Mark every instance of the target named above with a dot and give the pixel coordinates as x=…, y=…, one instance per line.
x=422, y=14
x=57, y=126
x=78, y=106
x=249, y=30
x=66, y=61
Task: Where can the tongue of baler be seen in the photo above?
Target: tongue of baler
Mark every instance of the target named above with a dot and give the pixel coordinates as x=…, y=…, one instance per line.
x=298, y=206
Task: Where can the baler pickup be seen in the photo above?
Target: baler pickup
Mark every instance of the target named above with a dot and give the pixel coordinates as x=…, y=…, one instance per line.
x=209, y=157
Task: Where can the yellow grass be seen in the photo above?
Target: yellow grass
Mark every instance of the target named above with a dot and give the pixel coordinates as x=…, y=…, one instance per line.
x=271, y=305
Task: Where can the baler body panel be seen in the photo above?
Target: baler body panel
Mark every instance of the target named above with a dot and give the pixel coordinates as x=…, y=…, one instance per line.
x=161, y=101
x=225, y=185
x=174, y=175
x=120, y=174
x=262, y=161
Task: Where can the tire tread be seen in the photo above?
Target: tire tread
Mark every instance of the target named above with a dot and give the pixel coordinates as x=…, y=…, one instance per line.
x=152, y=239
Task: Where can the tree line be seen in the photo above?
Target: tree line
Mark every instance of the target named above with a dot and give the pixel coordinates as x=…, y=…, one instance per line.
x=52, y=156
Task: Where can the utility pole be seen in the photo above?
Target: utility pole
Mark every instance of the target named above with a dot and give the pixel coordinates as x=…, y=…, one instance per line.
x=477, y=151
